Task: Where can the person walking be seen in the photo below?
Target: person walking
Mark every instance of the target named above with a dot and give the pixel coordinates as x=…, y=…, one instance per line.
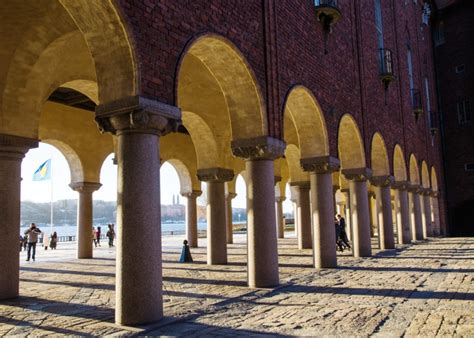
x=94, y=236
x=32, y=233
x=111, y=235
x=45, y=241
x=99, y=233
x=342, y=224
x=54, y=241
x=338, y=235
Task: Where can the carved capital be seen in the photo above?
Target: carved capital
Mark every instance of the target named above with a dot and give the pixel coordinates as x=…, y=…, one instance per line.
x=382, y=181
x=280, y=199
x=15, y=147
x=321, y=164
x=136, y=114
x=434, y=194
x=230, y=195
x=192, y=194
x=86, y=187
x=264, y=147
x=400, y=185
x=215, y=175
x=371, y=194
x=357, y=174
x=301, y=184
x=414, y=188
x=426, y=191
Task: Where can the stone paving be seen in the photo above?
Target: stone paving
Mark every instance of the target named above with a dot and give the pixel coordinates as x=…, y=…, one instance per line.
x=424, y=289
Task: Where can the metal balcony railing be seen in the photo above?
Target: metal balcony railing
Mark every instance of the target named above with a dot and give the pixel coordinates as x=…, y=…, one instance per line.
x=416, y=103
x=386, y=65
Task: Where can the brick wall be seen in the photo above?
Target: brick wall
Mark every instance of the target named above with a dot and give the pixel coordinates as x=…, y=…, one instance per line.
x=283, y=44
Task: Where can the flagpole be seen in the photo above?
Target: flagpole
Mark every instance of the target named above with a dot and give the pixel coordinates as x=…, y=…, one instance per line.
x=52, y=207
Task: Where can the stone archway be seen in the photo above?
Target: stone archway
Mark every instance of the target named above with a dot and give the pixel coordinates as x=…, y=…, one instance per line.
x=399, y=164
x=55, y=43
x=379, y=157
x=414, y=170
x=350, y=144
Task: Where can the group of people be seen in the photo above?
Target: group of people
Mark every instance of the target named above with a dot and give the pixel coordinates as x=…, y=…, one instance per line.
x=342, y=242
x=28, y=242
x=96, y=233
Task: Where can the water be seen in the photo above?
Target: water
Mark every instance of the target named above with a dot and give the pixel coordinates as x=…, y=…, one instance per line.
x=71, y=230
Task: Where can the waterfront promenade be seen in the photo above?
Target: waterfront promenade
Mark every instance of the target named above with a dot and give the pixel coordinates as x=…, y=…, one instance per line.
x=421, y=289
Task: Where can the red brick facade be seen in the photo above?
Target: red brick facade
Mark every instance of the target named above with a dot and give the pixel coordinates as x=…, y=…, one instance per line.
x=282, y=42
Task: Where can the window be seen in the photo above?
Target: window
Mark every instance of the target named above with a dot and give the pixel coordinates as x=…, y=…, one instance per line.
x=460, y=69
x=428, y=103
x=410, y=71
x=464, y=112
x=439, y=34
x=425, y=18
x=469, y=166
x=378, y=23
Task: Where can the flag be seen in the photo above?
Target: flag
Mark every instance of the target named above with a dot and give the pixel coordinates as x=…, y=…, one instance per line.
x=43, y=172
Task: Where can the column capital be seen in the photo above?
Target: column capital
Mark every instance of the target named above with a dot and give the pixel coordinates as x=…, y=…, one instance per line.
x=400, y=185
x=371, y=194
x=345, y=191
x=434, y=193
x=414, y=188
x=280, y=199
x=215, y=175
x=321, y=164
x=301, y=184
x=426, y=191
x=262, y=147
x=192, y=193
x=357, y=174
x=382, y=181
x=87, y=187
x=231, y=195
x=14, y=147
x=136, y=114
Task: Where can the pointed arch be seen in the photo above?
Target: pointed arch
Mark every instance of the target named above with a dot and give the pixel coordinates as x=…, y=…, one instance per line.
x=425, y=175
x=306, y=115
x=399, y=164
x=350, y=144
x=414, y=170
x=434, y=179
x=379, y=156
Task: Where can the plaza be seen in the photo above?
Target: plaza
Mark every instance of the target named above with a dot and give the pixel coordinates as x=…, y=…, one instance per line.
x=422, y=289
x=331, y=106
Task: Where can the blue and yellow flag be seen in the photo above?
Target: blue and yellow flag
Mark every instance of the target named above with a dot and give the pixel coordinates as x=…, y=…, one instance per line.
x=43, y=172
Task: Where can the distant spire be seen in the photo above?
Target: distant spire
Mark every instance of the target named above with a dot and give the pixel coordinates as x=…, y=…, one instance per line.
x=177, y=199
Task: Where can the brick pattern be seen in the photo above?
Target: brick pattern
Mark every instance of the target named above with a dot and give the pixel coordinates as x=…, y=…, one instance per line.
x=283, y=44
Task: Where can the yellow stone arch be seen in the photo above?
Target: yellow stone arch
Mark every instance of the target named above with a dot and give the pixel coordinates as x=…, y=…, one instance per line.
x=414, y=170
x=350, y=144
x=379, y=156
x=185, y=181
x=304, y=112
x=425, y=175
x=293, y=156
x=434, y=179
x=178, y=150
x=72, y=158
x=216, y=83
x=399, y=164
x=205, y=144
x=54, y=43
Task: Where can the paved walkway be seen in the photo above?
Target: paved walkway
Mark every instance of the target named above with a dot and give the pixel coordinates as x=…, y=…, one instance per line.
x=422, y=289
